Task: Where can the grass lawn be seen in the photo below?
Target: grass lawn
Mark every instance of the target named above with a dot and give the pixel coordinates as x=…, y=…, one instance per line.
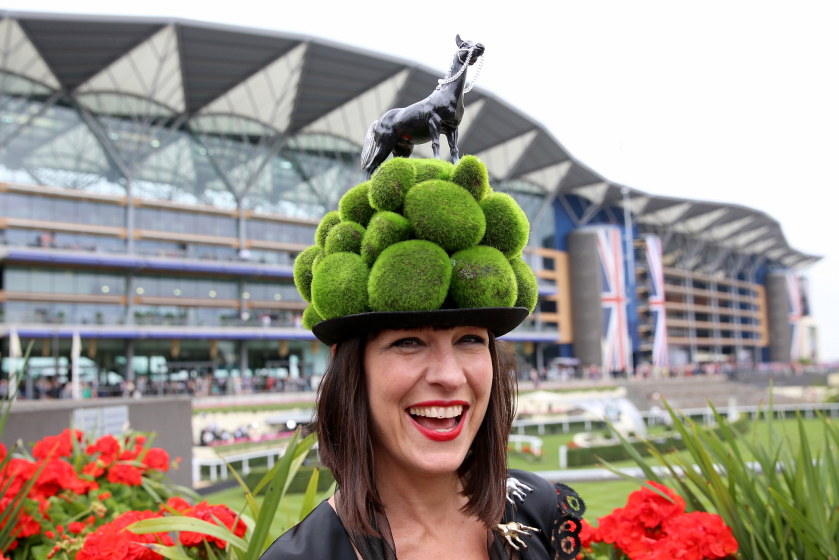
x=600, y=497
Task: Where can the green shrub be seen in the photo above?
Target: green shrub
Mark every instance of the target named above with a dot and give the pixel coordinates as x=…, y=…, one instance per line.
x=507, y=227
x=471, y=174
x=355, y=206
x=390, y=183
x=384, y=229
x=410, y=276
x=528, y=290
x=482, y=277
x=311, y=317
x=445, y=214
x=344, y=237
x=339, y=286
x=303, y=266
x=778, y=497
x=330, y=219
x=427, y=169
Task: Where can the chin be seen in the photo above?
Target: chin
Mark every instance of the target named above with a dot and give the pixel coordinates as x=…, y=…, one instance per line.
x=434, y=464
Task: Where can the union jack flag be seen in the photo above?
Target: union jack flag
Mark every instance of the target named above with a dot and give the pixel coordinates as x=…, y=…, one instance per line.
x=616, y=344
x=796, y=311
x=661, y=355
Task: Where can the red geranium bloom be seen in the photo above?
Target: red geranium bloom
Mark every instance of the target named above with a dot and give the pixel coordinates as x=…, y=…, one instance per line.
x=93, y=469
x=76, y=527
x=3, y=452
x=112, y=542
x=140, y=439
x=704, y=535
x=178, y=504
x=56, y=476
x=120, y=473
x=588, y=535
x=210, y=514
x=650, y=509
x=108, y=448
x=157, y=458
x=26, y=525
x=63, y=441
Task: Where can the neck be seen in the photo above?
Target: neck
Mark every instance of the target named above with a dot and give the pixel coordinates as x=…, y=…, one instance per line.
x=417, y=499
x=458, y=85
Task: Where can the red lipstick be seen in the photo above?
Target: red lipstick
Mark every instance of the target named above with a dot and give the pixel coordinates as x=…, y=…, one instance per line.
x=434, y=435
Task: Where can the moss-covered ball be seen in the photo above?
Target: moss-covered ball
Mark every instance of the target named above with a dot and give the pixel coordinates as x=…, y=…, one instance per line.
x=344, y=237
x=384, y=229
x=327, y=223
x=355, y=206
x=472, y=175
x=507, y=226
x=410, y=276
x=311, y=317
x=303, y=266
x=445, y=214
x=528, y=291
x=428, y=169
x=390, y=183
x=482, y=277
x=339, y=286
x=317, y=260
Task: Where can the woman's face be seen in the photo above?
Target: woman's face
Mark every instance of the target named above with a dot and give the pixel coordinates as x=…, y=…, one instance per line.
x=428, y=392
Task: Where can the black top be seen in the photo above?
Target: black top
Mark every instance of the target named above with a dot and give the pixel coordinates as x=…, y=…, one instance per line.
x=553, y=509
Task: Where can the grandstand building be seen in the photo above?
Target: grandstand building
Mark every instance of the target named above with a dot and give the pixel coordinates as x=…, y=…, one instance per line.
x=158, y=178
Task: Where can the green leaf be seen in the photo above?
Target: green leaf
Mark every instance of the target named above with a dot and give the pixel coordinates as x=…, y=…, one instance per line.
x=170, y=552
x=309, y=497
x=254, y=507
x=272, y=501
x=184, y=523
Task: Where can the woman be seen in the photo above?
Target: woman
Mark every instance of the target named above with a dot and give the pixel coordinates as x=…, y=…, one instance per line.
x=416, y=406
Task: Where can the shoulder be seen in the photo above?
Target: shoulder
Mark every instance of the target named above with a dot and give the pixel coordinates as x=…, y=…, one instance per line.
x=320, y=535
x=535, y=500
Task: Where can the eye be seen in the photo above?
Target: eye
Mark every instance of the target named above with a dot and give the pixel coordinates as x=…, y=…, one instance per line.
x=407, y=343
x=473, y=339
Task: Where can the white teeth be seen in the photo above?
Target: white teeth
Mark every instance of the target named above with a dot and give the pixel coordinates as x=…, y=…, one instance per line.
x=436, y=412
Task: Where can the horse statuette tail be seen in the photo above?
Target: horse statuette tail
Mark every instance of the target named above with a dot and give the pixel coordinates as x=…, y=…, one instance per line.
x=369, y=145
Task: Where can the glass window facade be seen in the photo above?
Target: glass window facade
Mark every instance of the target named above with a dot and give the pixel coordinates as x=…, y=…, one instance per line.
x=186, y=222
x=63, y=281
x=187, y=287
x=54, y=209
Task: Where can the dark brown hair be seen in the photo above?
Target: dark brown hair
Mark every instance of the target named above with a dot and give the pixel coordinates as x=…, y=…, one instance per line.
x=346, y=449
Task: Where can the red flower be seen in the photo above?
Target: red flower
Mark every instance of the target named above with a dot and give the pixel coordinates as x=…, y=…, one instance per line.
x=108, y=448
x=63, y=443
x=210, y=514
x=140, y=439
x=588, y=535
x=650, y=509
x=703, y=535
x=49, y=534
x=157, y=458
x=104, y=495
x=75, y=527
x=112, y=542
x=3, y=452
x=93, y=469
x=120, y=473
x=178, y=504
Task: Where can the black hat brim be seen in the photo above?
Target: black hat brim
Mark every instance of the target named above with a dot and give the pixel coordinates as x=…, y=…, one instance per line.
x=499, y=320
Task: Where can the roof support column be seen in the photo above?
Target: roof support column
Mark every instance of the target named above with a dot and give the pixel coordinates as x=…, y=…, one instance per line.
x=715, y=317
x=123, y=167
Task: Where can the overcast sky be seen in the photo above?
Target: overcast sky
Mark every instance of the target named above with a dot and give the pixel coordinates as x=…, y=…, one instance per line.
x=725, y=101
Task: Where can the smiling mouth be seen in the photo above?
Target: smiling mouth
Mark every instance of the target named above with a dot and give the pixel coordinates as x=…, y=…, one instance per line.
x=439, y=421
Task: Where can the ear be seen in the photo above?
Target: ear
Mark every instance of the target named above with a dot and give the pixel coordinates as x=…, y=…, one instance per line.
x=458, y=40
x=334, y=348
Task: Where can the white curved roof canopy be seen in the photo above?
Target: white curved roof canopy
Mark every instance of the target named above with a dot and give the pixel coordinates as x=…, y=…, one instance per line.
x=275, y=87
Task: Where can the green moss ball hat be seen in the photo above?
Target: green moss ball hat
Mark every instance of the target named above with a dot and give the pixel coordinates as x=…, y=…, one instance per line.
x=423, y=243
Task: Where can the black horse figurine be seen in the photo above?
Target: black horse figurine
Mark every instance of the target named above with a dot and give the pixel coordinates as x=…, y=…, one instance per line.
x=399, y=130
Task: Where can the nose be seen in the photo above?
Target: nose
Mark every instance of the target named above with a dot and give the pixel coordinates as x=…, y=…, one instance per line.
x=445, y=370
x=481, y=46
